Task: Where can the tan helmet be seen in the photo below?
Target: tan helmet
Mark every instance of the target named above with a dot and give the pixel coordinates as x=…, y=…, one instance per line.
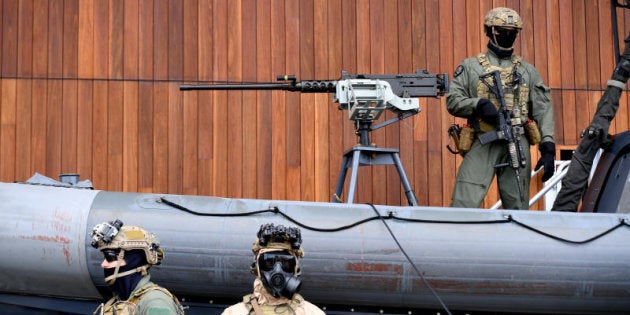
x=113, y=235
x=504, y=17
x=271, y=238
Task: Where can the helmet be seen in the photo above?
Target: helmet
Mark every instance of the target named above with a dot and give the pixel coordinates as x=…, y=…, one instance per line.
x=278, y=237
x=276, y=251
x=504, y=17
x=113, y=235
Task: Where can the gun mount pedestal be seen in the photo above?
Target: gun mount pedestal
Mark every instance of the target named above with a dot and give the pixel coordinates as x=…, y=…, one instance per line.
x=365, y=156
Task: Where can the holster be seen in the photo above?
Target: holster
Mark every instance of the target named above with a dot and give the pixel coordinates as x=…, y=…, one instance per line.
x=463, y=138
x=532, y=132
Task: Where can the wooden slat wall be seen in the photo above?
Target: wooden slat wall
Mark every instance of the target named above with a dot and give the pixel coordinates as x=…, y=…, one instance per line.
x=92, y=87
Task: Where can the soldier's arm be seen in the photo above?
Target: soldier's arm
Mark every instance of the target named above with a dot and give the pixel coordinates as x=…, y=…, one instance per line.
x=460, y=100
x=542, y=109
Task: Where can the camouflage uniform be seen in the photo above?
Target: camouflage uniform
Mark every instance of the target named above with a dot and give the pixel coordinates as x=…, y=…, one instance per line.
x=146, y=299
x=477, y=170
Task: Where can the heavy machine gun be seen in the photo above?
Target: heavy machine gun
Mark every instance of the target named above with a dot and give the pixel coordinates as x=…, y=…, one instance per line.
x=365, y=96
x=505, y=130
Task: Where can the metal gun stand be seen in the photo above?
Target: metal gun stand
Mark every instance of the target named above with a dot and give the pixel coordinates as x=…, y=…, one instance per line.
x=365, y=155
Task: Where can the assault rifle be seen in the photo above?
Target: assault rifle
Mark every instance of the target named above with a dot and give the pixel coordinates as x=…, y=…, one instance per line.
x=365, y=96
x=505, y=131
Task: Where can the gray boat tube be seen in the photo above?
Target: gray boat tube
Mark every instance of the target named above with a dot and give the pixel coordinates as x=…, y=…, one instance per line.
x=474, y=259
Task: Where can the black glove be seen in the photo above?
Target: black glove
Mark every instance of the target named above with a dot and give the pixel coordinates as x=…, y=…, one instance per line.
x=487, y=111
x=622, y=71
x=547, y=159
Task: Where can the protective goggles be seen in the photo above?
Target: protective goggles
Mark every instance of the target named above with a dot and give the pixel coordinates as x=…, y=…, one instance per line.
x=111, y=254
x=268, y=260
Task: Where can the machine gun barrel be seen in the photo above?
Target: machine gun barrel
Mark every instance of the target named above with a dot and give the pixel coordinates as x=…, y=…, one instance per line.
x=290, y=84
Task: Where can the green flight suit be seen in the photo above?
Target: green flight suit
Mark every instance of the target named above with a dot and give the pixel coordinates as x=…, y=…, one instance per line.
x=146, y=299
x=477, y=170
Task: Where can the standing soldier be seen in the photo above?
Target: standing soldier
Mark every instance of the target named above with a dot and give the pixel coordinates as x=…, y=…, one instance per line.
x=276, y=252
x=594, y=138
x=129, y=252
x=529, y=103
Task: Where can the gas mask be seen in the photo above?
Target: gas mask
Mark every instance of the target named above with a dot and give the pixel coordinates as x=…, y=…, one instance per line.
x=502, y=37
x=277, y=272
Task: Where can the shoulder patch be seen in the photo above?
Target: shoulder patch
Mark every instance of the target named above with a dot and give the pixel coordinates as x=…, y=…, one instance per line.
x=458, y=71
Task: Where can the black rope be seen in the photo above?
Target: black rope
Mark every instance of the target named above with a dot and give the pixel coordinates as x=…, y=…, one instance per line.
x=390, y=216
x=424, y=280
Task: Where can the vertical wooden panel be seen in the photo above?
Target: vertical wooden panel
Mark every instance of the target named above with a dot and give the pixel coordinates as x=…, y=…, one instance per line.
x=7, y=130
x=160, y=137
x=293, y=130
x=565, y=119
x=234, y=103
x=116, y=39
x=264, y=108
x=101, y=39
x=130, y=39
x=145, y=39
x=70, y=38
x=175, y=139
x=175, y=40
x=40, y=39
x=9, y=38
x=99, y=129
x=25, y=39
x=115, y=124
x=85, y=134
x=278, y=113
x=55, y=39
x=321, y=106
x=38, y=119
x=249, y=150
x=23, y=125
x=54, y=119
x=68, y=125
x=130, y=136
x=420, y=165
x=219, y=100
x=145, y=136
x=85, y=45
x=160, y=40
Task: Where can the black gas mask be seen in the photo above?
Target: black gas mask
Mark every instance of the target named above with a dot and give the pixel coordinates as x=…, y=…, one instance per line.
x=277, y=271
x=502, y=37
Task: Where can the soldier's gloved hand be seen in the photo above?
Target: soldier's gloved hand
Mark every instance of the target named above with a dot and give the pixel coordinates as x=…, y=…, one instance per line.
x=487, y=111
x=622, y=71
x=626, y=51
x=547, y=159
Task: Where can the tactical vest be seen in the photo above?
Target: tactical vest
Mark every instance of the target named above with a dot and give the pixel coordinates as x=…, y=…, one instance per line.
x=516, y=95
x=251, y=303
x=130, y=306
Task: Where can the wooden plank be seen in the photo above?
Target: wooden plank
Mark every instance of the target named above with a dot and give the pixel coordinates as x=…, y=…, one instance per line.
x=190, y=143
x=175, y=139
x=175, y=40
x=606, y=51
x=85, y=45
x=8, y=104
x=40, y=39
x=566, y=131
x=145, y=136
x=160, y=138
x=100, y=119
x=55, y=39
x=322, y=106
x=205, y=108
x=391, y=133
x=190, y=38
x=130, y=136
x=264, y=107
x=279, y=112
x=116, y=39
x=23, y=127
x=85, y=136
x=205, y=43
x=307, y=101
x=405, y=141
x=9, y=38
x=235, y=108
x=70, y=38
x=160, y=40
x=292, y=100
x=115, y=123
x=145, y=40
x=446, y=61
x=219, y=101
x=69, y=126
x=54, y=104
x=131, y=40
x=39, y=121
x=249, y=106
x=101, y=38
x=592, y=48
x=420, y=165
x=25, y=39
